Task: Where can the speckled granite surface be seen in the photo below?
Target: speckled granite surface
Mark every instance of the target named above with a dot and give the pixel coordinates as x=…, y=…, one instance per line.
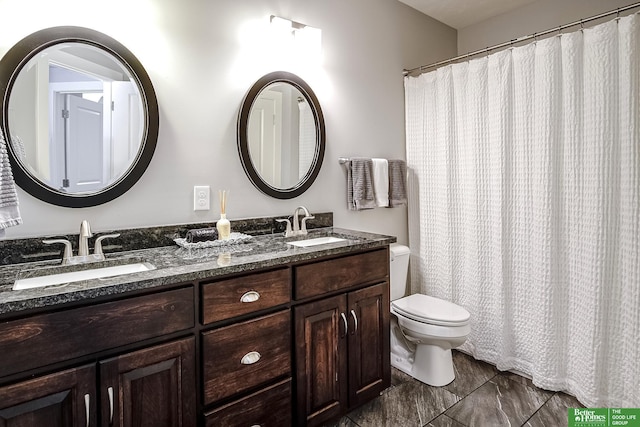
x=32, y=250
x=177, y=265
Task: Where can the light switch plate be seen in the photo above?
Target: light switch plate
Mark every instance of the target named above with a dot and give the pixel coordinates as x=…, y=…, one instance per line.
x=201, y=198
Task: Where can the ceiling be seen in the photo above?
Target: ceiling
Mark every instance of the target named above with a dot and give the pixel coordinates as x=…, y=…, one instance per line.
x=462, y=13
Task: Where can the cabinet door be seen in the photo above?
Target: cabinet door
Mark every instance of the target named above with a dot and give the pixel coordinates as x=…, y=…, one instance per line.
x=369, y=357
x=153, y=387
x=63, y=399
x=320, y=332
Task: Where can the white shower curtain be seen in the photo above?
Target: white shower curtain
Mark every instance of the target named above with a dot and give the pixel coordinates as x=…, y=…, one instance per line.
x=525, y=206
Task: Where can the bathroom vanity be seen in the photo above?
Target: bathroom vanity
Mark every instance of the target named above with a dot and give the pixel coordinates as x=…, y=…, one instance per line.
x=274, y=335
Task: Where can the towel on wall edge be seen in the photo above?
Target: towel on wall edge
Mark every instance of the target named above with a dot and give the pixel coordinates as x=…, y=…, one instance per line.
x=9, y=212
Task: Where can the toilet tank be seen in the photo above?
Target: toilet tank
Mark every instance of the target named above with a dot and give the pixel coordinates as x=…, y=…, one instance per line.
x=398, y=268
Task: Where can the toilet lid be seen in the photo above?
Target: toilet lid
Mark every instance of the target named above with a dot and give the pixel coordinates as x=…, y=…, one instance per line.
x=436, y=311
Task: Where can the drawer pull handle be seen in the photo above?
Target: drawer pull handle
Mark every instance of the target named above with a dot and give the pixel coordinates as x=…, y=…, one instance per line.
x=110, y=393
x=250, y=358
x=346, y=325
x=251, y=296
x=87, y=405
x=355, y=320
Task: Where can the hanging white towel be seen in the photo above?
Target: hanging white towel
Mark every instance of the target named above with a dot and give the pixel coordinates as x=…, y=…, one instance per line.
x=9, y=212
x=381, y=182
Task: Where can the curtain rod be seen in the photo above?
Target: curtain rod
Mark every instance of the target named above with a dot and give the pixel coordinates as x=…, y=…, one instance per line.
x=520, y=39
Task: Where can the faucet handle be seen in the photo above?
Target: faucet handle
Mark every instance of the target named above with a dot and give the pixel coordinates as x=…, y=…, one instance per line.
x=304, y=223
x=68, y=252
x=287, y=233
x=97, y=249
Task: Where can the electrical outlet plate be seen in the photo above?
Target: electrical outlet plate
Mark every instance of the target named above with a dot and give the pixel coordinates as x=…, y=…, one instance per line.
x=201, y=198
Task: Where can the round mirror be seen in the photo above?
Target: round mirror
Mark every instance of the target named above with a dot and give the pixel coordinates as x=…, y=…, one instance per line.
x=79, y=114
x=281, y=135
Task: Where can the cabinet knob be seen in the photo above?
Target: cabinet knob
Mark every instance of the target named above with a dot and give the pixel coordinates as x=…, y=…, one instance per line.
x=250, y=296
x=250, y=358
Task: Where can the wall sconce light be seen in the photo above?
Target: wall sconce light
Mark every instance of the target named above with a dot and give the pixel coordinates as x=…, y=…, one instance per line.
x=303, y=39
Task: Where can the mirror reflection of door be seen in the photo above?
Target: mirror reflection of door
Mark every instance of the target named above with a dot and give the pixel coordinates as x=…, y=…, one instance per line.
x=81, y=145
x=281, y=135
x=90, y=119
x=265, y=136
x=125, y=140
x=307, y=139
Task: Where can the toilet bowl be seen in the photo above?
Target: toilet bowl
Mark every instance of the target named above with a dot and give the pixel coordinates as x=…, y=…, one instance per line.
x=424, y=329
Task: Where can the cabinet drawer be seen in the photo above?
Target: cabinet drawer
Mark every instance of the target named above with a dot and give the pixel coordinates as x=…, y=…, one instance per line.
x=335, y=274
x=270, y=407
x=228, y=368
x=49, y=338
x=241, y=295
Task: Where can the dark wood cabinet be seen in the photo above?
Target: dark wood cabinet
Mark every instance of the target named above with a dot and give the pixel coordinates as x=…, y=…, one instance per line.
x=321, y=359
x=153, y=387
x=45, y=338
x=245, y=355
x=342, y=353
x=369, y=352
x=269, y=407
x=214, y=352
x=61, y=399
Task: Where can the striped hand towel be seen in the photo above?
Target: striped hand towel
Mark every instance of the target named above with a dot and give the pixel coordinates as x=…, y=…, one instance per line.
x=397, y=183
x=360, y=193
x=9, y=212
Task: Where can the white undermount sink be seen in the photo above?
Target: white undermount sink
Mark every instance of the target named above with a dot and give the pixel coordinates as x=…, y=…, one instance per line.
x=315, y=242
x=77, y=276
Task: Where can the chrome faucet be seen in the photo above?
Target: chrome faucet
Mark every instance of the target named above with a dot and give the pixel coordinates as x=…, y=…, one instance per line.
x=299, y=225
x=83, y=246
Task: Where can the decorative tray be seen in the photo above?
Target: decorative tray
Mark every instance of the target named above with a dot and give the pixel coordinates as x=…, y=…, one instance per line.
x=234, y=239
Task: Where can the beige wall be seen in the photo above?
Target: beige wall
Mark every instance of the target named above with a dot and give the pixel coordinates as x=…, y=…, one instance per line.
x=202, y=56
x=535, y=17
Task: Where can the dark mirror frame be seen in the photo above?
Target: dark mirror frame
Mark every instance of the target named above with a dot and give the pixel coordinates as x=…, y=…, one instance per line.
x=11, y=65
x=243, y=143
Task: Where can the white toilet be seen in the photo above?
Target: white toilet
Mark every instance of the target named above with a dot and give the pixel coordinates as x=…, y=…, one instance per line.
x=424, y=329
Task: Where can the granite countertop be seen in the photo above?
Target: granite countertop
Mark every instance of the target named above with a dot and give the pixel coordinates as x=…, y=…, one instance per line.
x=175, y=264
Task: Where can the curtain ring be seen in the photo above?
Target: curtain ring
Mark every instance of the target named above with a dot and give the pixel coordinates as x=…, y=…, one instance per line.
x=581, y=25
x=559, y=30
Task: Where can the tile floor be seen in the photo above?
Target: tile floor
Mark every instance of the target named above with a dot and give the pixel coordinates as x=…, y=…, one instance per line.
x=479, y=396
